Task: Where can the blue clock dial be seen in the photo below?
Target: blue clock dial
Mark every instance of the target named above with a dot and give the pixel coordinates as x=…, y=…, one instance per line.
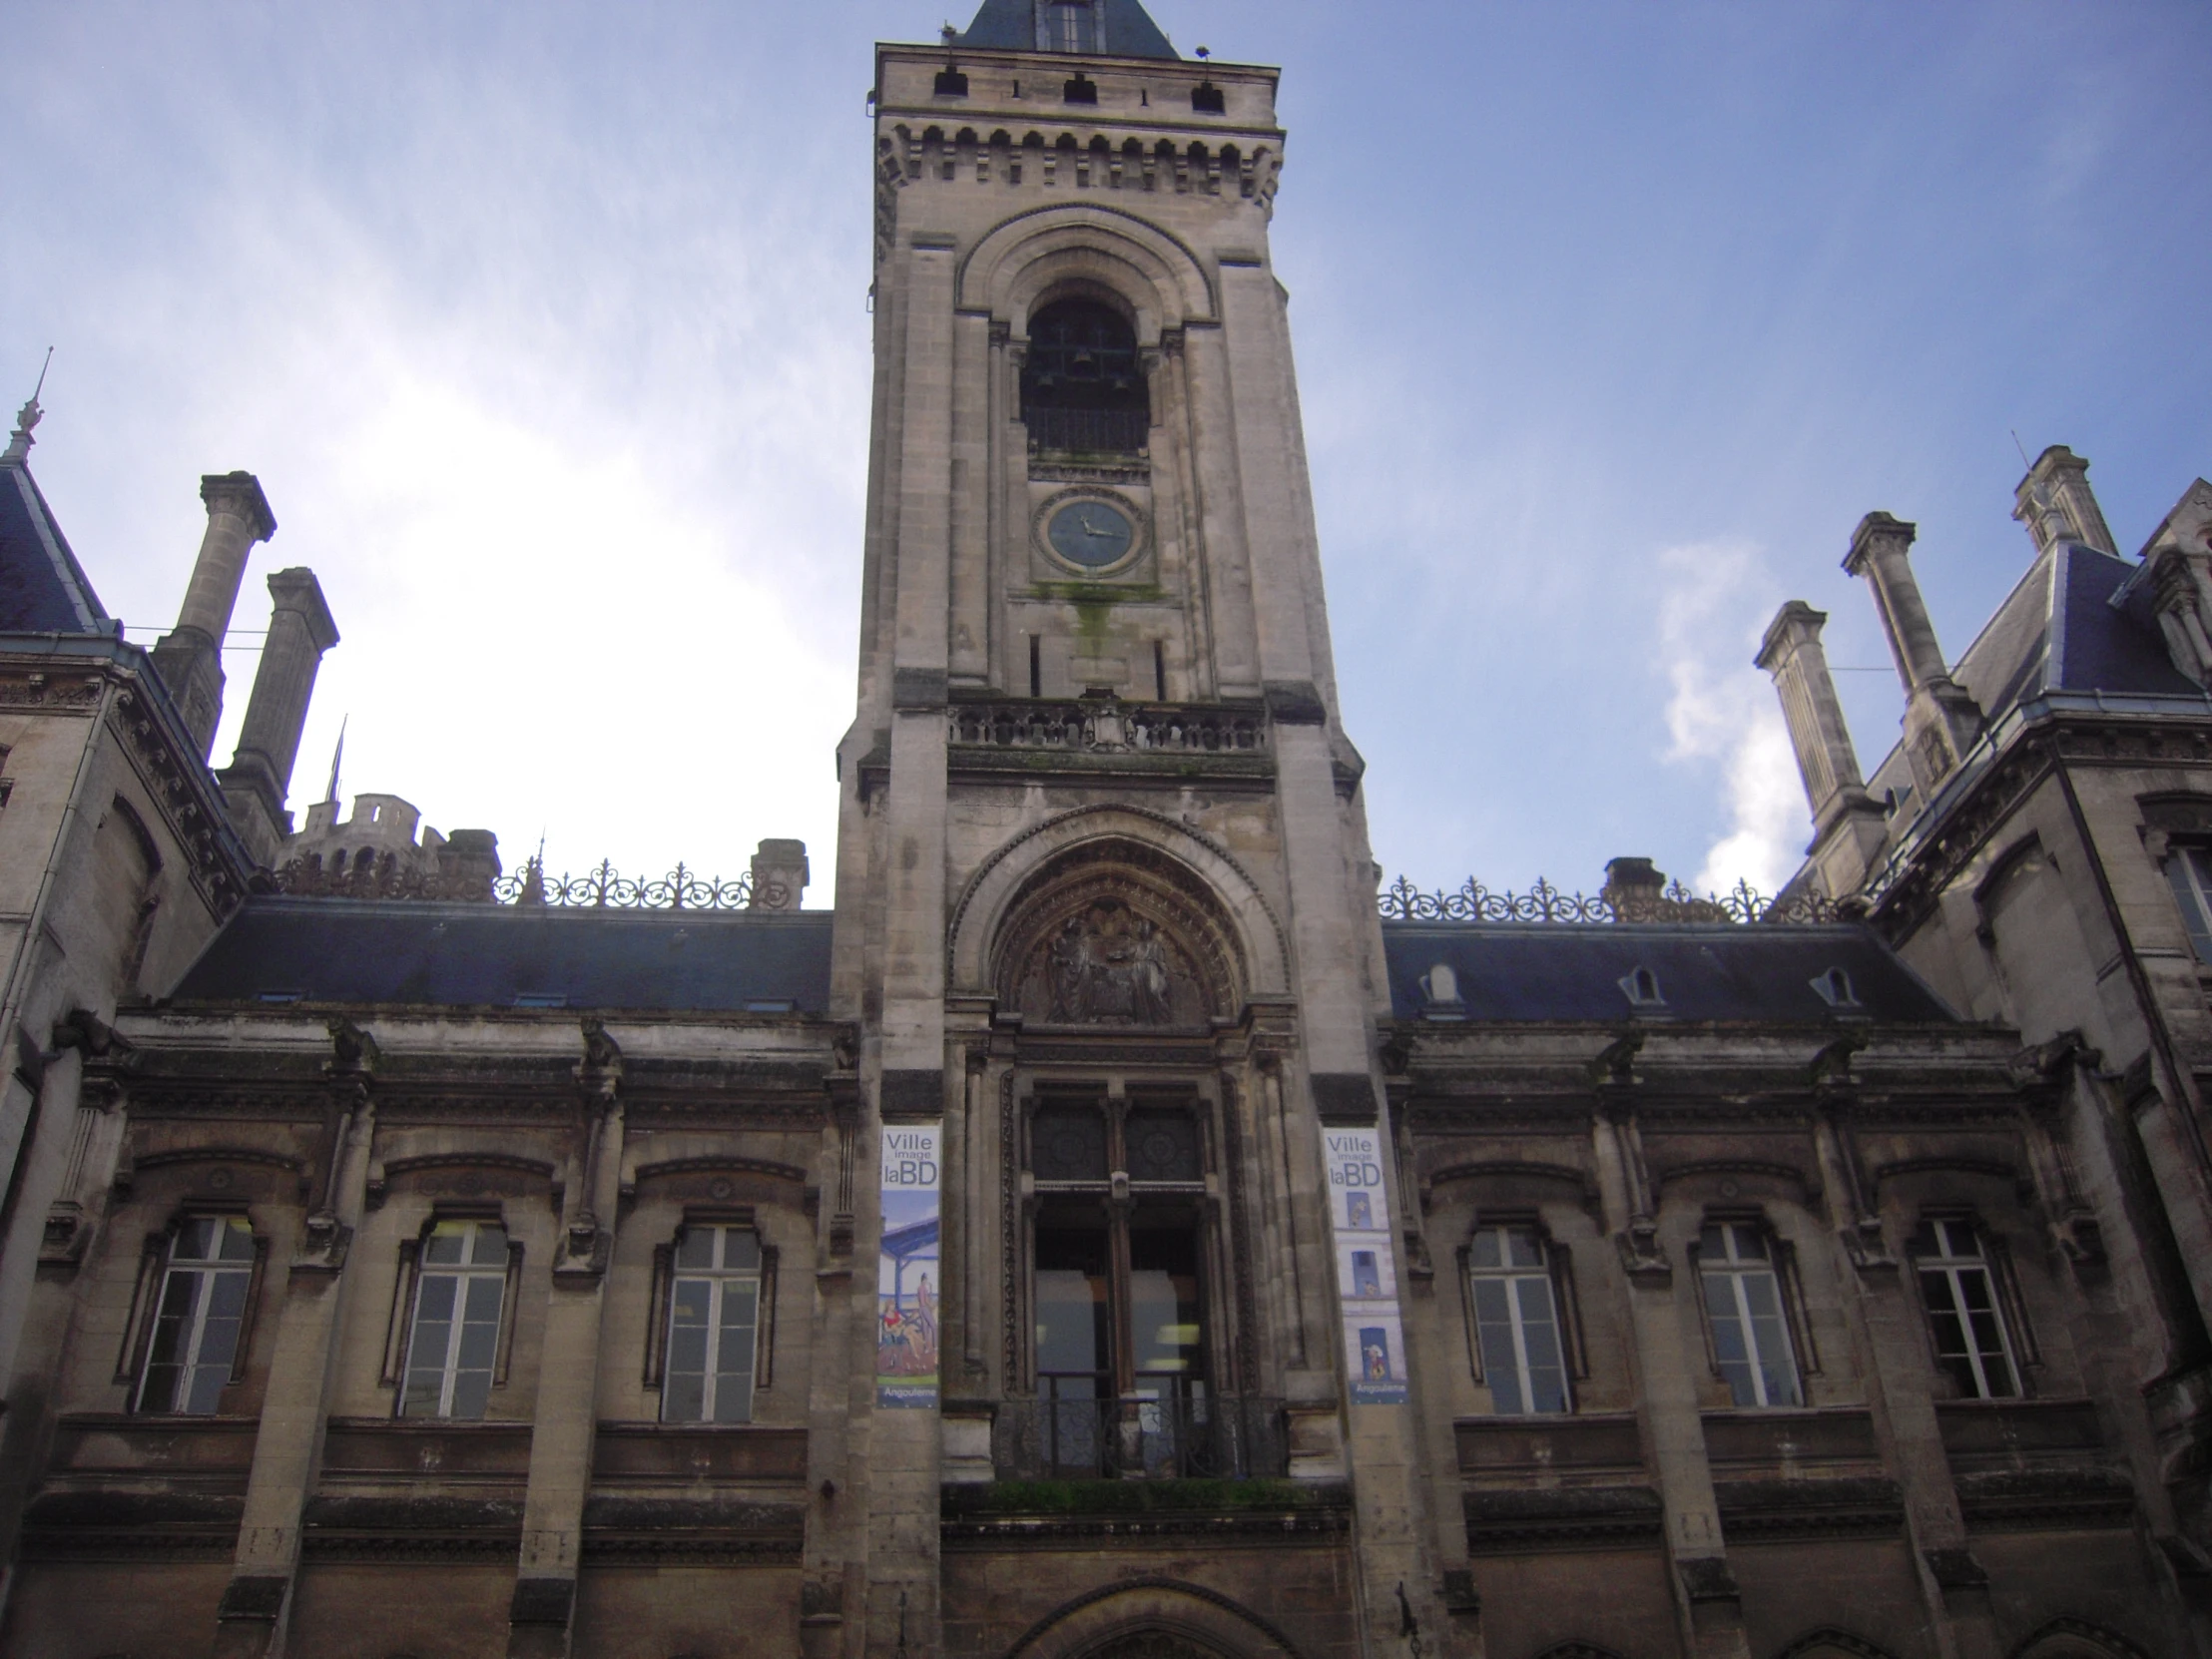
x=1093, y=534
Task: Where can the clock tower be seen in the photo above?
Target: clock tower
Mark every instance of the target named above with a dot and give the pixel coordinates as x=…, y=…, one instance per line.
x=1105, y=905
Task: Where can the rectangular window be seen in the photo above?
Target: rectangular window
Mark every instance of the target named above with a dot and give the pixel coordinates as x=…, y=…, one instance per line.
x=714, y=1325
x=1971, y=1343
x=453, y=1341
x=2189, y=870
x=1743, y=1302
x=1516, y=1320
x=199, y=1318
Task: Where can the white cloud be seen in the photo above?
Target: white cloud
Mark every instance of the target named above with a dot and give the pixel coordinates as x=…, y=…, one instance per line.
x=1721, y=710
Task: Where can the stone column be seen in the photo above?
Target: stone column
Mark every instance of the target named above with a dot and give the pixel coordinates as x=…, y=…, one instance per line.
x=1894, y=1357
x=258, y=778
x=1707, y=1604
x=565, y=1421
x=190, y=657
x=1942, y=723
x=255, y=1611
x=1848, y=829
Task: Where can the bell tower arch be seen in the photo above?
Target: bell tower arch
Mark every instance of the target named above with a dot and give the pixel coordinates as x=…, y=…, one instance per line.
x=1105, y=903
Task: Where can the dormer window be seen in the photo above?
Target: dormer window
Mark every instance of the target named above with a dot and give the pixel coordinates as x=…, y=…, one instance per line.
x=1642, y=988
x=1207, y=99
x=1834, y=988
x=1070, y=26
x=1439, y=989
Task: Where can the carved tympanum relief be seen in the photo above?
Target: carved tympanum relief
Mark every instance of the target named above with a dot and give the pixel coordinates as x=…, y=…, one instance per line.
x=1106, y=964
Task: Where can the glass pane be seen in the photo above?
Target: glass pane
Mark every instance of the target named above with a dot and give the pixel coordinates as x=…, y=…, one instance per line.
x=238, y=1242
x=1494, y=1325
x=1525, y=1249
x=684, y=1398
x=426, y=1383
x=1729, y=1346
x=1164, y=1301
x=740, y=1249
x=696, y=1248
x=1484, y=1250
x=446, y=1243
x=1548, y=1372
x=1068, y=1143
x=195, y=1242
x=2193, y=916
x=491, y=1247
x=434, y=1300
x=1074, y=1333
x=471, y=1394
x=1712, y=1244
x=1163, y=1146
x=1774, y=1361
x=734, y=1396
x=734, y=1352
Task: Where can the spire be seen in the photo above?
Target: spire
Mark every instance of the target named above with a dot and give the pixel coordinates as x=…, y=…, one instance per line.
x=27, y=418
x=1098, y=28
x=331, y=794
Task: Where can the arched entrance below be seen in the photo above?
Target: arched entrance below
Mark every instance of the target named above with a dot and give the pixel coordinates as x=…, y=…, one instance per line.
x=1153, y=1618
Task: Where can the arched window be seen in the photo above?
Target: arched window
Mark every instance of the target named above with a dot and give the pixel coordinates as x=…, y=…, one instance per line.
x=454, y=1333
x=199, y=1323
x=1081, y=385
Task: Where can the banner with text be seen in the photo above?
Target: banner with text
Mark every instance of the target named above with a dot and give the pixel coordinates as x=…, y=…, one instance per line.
x=908, y=1269
x=1367, y=1267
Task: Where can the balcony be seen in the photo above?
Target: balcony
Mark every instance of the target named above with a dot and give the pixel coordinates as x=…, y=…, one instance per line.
x=1179, y=1433
x=1104, y=735
x=1088, y=433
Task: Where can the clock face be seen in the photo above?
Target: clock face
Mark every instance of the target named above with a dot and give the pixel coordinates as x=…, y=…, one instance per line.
x=1093, y=534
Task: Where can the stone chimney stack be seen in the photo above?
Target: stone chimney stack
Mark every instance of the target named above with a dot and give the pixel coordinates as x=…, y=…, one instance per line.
x=1848, y=829
x=780, y=875
x=2056, y=504
x=190, y=657
x=1942, y=723
x=260, y=775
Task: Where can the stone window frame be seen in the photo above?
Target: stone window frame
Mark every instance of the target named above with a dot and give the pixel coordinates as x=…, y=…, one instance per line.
x=146, y=1296
x=400, y=1322
x=662, y=1292
x=1782, y=1255
x=2176, y=826
x=1217, y=1290
x=1566, y=1303
x=2020, y=1331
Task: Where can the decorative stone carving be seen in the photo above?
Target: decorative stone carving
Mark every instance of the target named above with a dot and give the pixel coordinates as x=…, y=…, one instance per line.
x=1106, y=964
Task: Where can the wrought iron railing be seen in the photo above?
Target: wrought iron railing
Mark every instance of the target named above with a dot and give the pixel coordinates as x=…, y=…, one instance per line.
x=1089, y=431
x=609, y=889
x=1181, y=1432
x=1109, y=726
x=1402, y=901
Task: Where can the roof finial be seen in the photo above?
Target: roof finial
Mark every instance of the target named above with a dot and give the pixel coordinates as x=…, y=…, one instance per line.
x=27, y=417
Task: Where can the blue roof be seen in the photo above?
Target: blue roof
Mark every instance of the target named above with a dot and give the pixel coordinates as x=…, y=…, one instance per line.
x=43, y=590
x=347, y=950
x=1125, y=31
x=1572, y=972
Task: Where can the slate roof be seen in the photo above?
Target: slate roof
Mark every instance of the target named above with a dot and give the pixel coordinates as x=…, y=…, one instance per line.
x=1127, y=30
x=1572, y=972
x=346, y=950
x=43, y=590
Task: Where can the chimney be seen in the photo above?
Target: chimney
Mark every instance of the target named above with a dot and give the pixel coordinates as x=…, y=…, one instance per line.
x=260, y=775
x=1848, y=829
x=2056, y=504
x=190, y=657
x=1942, y=723
x=778, y=875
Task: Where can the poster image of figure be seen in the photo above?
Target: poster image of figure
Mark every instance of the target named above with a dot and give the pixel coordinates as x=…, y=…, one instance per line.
x=1366, y=1268
x=908, y=1269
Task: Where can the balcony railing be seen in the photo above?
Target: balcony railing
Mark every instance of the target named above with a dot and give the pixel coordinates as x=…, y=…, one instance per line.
x=1109, y=726
x=1089, y=431
x=1170, y=1428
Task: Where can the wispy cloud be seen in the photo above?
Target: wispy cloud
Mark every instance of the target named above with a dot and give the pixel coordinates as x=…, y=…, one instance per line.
x=1722, y=714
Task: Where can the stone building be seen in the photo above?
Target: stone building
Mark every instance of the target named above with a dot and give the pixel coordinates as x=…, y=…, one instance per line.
x=1109, y=1231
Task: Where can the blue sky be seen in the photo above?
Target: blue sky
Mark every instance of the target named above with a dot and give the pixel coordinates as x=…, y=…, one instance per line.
x=545, y=329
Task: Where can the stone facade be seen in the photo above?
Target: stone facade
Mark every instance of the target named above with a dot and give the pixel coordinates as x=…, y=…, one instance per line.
x=1109, y=1232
